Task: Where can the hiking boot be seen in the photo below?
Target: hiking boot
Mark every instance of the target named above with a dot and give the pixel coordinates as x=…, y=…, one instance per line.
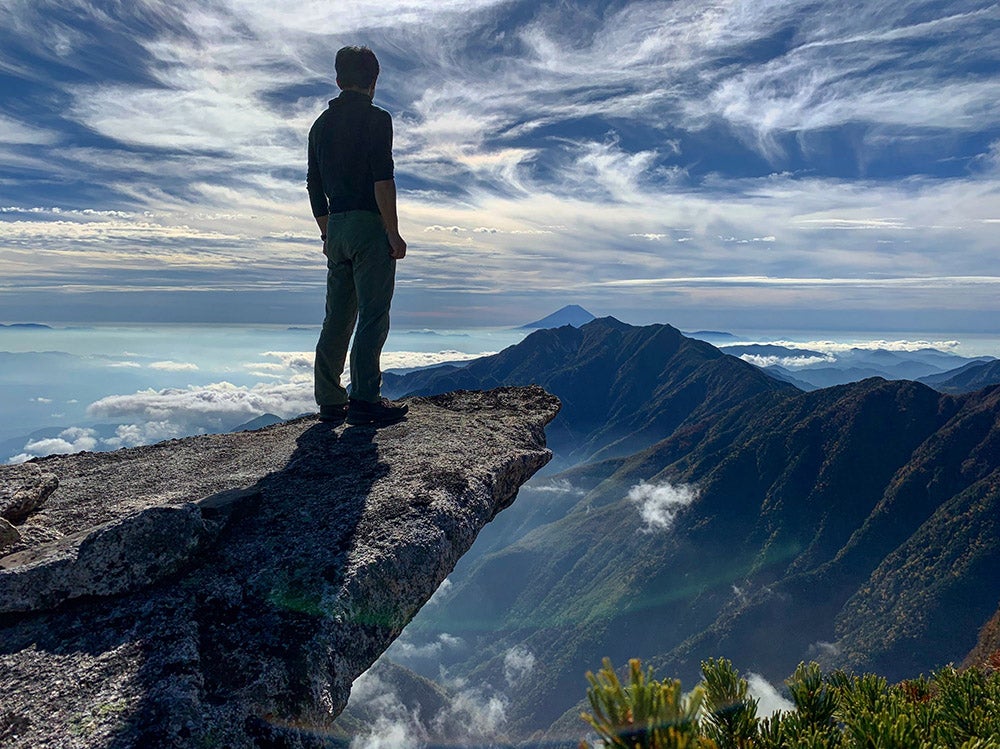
x=381, y=412
x=333, y=414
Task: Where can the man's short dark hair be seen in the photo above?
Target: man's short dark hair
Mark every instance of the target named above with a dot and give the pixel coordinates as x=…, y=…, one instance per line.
x=356, y=66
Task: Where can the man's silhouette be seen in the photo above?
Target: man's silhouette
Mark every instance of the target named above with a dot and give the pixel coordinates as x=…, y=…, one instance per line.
x=353, y=197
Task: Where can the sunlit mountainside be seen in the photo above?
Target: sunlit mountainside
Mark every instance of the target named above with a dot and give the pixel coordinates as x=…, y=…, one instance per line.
x=622, y=387
x=706, y=509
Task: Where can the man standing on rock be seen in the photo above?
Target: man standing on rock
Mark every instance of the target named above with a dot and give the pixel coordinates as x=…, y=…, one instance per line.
x=353, y=197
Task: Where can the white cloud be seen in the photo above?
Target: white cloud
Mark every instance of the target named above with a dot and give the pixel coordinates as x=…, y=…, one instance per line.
x=473, y=715
x=518, y=663
x=449, y=229
x=832, y=348
x=72, y=440
x=133, y=435
x=301, y=362
x=174, y=366
x=659, y=504
x=824, y=650
x=789, y=362
x=15, y=131
x=408, y=359
x=219, y=405
x=395, y=726
x=769, y=700
x=749, y=240
x=406, y=651
x=558, y=486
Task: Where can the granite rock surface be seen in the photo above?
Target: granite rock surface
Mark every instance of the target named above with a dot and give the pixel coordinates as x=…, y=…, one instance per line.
x=225, y=590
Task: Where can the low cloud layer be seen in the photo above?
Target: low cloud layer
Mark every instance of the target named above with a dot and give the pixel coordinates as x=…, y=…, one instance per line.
x=278, y=382
x=71, y=440
x=789, y=362
x=219, y=405
x=831, y=348
x=659, y=504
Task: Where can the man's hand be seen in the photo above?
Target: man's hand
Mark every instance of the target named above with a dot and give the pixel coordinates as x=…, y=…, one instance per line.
x=321, y=222
x=385, y=197
x=397, y=246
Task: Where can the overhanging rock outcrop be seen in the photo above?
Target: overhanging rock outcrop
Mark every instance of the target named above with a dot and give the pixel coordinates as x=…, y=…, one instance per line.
x=225, y=590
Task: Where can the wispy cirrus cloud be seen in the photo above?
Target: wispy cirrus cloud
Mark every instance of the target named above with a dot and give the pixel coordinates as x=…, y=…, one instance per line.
x=551, y=147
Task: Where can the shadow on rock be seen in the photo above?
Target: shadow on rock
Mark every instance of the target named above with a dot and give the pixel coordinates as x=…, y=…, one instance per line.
x=181, y=662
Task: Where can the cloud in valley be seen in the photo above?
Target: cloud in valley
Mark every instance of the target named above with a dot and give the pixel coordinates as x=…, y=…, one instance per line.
x=518, y=664
x=557, y=486
x=471, y=715
x=406, y=651
x=769, y=699
x=659, y=504
x=395, y=726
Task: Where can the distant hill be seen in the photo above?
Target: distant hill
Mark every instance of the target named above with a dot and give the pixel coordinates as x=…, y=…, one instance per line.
x=572, y=314
x=973, y=376
x=29, y=325
x=987, y=650
x=264, y=420
x=712, y=336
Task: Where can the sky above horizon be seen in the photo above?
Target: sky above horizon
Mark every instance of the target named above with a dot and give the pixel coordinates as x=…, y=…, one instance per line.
x=780, y=164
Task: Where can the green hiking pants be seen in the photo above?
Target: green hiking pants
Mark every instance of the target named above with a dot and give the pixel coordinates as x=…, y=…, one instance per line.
x=360, y=278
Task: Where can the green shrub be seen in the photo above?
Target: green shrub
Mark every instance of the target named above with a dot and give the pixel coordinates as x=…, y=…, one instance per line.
x=646, y=714
x=952, y=710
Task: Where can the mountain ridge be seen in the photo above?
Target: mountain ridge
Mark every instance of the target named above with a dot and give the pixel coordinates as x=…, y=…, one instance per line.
x=622, y=387
x=809, y=510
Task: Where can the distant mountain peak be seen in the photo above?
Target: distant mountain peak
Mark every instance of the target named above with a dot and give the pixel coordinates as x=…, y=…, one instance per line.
x=571, y=314
x=612, y=323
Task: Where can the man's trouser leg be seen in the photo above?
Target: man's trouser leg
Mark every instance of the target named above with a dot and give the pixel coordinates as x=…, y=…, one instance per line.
x=374, y=280
x=341, y=312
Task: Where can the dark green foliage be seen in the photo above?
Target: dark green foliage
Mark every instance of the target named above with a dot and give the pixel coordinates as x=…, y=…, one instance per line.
x=731, y=712
x=953, y=710
x=646, y=714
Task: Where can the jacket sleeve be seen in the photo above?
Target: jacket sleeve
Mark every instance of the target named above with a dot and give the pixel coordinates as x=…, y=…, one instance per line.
x=314, y=179
x=380, y=156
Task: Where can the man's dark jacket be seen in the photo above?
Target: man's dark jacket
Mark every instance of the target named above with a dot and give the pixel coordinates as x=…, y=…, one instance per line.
x=350, y=149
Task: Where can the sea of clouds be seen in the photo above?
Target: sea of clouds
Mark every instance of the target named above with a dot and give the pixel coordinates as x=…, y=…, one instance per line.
x=274, y=382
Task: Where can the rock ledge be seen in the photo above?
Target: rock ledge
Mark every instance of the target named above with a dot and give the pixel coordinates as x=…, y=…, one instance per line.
x=226, y=590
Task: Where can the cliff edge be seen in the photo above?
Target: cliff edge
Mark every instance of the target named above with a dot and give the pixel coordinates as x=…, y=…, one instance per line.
x=225, y=590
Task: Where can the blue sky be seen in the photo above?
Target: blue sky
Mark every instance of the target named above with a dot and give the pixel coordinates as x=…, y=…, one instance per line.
x=770, y=164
